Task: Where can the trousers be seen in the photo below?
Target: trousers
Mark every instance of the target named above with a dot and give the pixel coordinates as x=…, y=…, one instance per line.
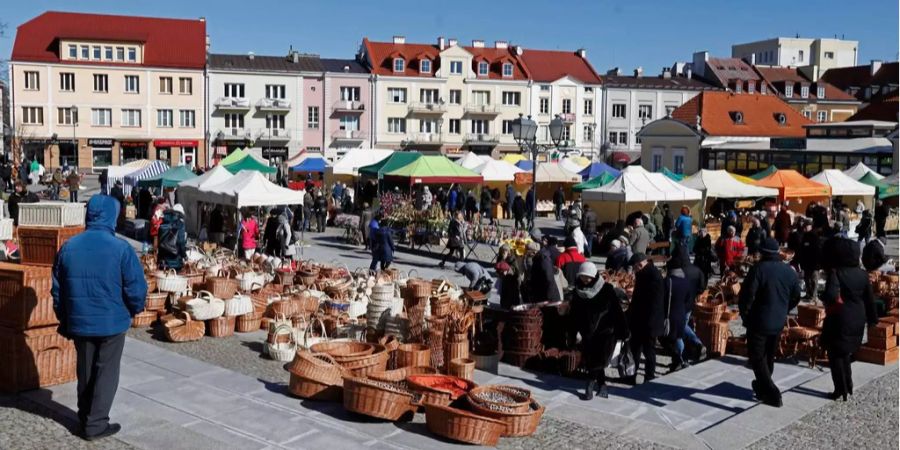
x=841, y=373
x=761, y=353
x=645, y=345
x=97, y=368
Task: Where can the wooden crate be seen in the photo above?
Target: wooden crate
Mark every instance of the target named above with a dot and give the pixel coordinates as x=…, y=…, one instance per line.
x=25, y=300
x=39, y=245
x=891, y=320
x=876, y=356
x=35, y=358
x=881, y=330
x=882, y=343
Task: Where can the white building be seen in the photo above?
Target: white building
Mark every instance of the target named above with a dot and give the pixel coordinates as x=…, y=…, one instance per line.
x=798, y=52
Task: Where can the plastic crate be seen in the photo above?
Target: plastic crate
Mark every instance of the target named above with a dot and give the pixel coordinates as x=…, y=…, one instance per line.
x=39, y=245
x=51, y=214
x=25, y=300
x=35, y=358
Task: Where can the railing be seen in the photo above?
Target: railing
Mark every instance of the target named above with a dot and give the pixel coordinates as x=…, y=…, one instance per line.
x=274, y=104
x=567, y=117
x=421, y=107
x=234, y=133
x=482, y=138
x=232, y=103
x=427, y=138
x=348, y=135
x=349, y=106
x=274, y=134
x=481, y=109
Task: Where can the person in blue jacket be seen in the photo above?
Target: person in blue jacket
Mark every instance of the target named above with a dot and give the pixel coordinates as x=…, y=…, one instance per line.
x=451, y=199
x=382, y=246
x=98, y=286
x=684, y=228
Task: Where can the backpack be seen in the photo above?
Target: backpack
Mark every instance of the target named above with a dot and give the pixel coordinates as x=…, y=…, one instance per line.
x=168, y=237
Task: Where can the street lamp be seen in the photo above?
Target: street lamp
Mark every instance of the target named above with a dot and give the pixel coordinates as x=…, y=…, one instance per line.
x=74, y=139
x=524, y=131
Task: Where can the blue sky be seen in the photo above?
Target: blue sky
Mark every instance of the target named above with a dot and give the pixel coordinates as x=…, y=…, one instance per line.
x=625, y=34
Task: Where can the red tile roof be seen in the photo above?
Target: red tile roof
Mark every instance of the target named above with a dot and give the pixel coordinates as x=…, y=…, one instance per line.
x=551, y=65
x=716, y=111
x=886, y=110
x=496, y=57
x=382, y=54
x=725, y=70
x=780, y=76
x=177, y=43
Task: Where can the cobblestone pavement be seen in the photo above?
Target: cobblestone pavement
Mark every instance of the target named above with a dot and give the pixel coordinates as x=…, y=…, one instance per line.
x=25, y=425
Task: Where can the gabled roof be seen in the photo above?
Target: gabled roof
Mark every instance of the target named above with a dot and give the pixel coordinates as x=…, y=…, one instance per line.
x=779, y=77
x=381, y=56
x=862, y=77
x=260, y=63
x=727, y=69
x=176, y=43
x=496, y=57
x=716, y=111
x=675, y=83
x=885, y=110
x=551, y=65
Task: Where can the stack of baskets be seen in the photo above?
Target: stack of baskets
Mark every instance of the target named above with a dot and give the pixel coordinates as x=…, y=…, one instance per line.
x=316, y=376
x=711, y=317
x=522, y=333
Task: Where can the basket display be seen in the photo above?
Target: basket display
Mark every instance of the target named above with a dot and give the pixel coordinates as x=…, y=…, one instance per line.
x=205, y=306
x=501, y=397
x=318, y=367
x=34, y=358
x=461, y=367
x=183, y=329
x=25, y=298
x=398, y=375
x=143, y=319
x=38, y=245
x=361, y=366
x=343, y=348
x=438, y=389
x=517, y=423
x=156, y=301
x=223, y=285
x=314, y=390
x=247, y=323
x=463, y=426
x=408, y=355
x=238, y=305
x=222, y=326
x=378, y=399
x=169, y=281
x=282, y=351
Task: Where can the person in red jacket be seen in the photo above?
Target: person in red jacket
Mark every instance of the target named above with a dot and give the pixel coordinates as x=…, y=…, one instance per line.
x=570, y=260
x=729, y=248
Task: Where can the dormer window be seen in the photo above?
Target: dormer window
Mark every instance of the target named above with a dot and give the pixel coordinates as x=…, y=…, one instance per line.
x=483, y=69
x=399, y=65
x=738, y=87
x=425, y=66
x=804, y=91
x=788, y=90
x=762, y=88
x=751, y=87
x=507, y=70
x=820, y=92
x=737, y=117
x=781, y=118
x=73, y=51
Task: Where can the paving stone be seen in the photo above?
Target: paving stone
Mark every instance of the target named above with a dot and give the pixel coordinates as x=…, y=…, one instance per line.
x=331, y=440
x=227, y=437
x=138, y=372
x=166, y=436
x=728, y=436
x=265, y=422
x=182, y=365
x=662, y=434
x=233, y=382
x=200, y=400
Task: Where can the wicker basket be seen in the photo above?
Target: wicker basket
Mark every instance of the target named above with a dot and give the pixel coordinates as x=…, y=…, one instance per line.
x=282, y=351
x=517, y=423
x=51, y=214
x=205, y=306
x=408, y=355
x=222, y=326
x=463, y=426
x=313, y=390
x=398, y=375
x=488, y=363
x=183, y=329
x=34, y=358
x=461, y=367
x=518, y=399
x=156, y=301
x=25, y=299
x=456, y=350
x=437, y=396
x=343, y=348
x=169, y=281
x=377, y=399
x=318, y=367
x=238, y=305
x=361, y=366
x=222, y=285
x=247, y=323
x=143, y=319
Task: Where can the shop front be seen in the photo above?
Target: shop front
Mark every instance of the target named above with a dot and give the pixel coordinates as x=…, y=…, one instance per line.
x=130, y=151
x=177, y=152
x=101, y=153
x=276, y=155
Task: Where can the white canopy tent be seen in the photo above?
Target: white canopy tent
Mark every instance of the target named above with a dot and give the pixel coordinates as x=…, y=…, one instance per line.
x=250, y=188
x=843, y=184
x=554, y=173
x=720, y=184
x=496, y=170
x=190, y=195
x=356, y=158
x=471, y=161
x=118, y=173
x=635, y=189
x=860, y=170
x=571, y=166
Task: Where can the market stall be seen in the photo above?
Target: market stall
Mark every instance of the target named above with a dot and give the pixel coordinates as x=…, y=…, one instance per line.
x=233, y=157
x=598, y=181
x=843, y=185
x=347, y=168
x=718, y=184
x=192, y=199
x=514, y=158
x=860, y=170
x=170, y=178
x=764, y=173
x=549, y=177
x=312, y=165
x=248, y=162
x=574, y=164
x=635, y=189
x=471, y=160
x=596, y=169
x=118, y=173
x=884, y=189
x=428, y=170
x=151, y=170
x=795, y=188
x=249, y=188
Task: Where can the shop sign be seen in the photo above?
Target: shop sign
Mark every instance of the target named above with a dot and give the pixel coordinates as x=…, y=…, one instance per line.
x=101, y=142
x=132, y=144
x=274, y=152
x=175, y=143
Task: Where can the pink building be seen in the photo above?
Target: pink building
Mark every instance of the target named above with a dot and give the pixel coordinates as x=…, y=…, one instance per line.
x=347, y=117
x=312, y=122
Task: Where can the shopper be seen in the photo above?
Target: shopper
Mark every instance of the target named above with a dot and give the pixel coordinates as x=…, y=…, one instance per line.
x=864, y=228
x=755, y=236
x=382, y=248
x=684, y=227
x=559, y=199
x=510, y=195
x=321, y=208
x=519, y=210
x=809, y=258
x=617, y=258
x=456, y=239
x=873, y=257
x=589, y=227
x=703, y=252
x=782, y=225
x=94, y=303
x=479, y=279
x=542, y=280
x=881, y=214
x=646, y=315
x=530, y=207
x=569, y=261
x=74, y=182
x=769, y=291
x=640, y=237
x=729, y=249
x=172, y=248
x=249, y=234
x=485, y=202
x=677, y=298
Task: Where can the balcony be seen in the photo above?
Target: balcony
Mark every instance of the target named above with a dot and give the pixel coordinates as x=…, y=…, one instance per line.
x=274, y=135
x=274, y=105
x=481, y=139
x=349, y=106
x=348, y=135
x=482, y=110
x=428, y=108
x=567, y=117
x=232, y=104
x=426, y=139
x=233, y=134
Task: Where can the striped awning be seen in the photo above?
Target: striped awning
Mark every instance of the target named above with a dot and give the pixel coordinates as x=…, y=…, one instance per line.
x=153, y=169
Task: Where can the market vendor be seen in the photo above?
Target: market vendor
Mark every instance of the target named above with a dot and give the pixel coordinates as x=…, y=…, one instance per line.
x=479, y=279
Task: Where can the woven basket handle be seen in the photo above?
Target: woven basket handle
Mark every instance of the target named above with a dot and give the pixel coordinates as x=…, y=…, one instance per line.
x=310, y=325
x=282, y=326
x=173, y=272
x=205, y=295
x=409, y=274
x=187, y=317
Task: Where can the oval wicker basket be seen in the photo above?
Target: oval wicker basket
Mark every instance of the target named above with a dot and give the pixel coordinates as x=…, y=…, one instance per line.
x=463, y=426
x=222, y=285
x=248, y=323
x=156, y=301
x=143, y=319
x=313, y=390
x=398, y=375
x=222, y=326
x=431, y=395
x=318, y=367
x=461, y=367
x=182, y=329
x=518, y=400
x=377, y=399
x=517, y=423
x=343, y=348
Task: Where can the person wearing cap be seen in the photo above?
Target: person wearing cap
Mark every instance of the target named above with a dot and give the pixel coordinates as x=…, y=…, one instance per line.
x=646, y=314
x=570, y=260
x=617, y=258
x=172, y=248
x=640, y=237
x=729, y=248
x=770, y=289
x=597, y=316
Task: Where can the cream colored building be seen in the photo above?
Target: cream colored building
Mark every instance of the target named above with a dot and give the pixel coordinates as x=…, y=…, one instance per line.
x=799, y=52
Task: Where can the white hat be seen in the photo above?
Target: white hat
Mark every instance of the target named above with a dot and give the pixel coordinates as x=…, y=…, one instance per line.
x=179, y=208
x=587, y=269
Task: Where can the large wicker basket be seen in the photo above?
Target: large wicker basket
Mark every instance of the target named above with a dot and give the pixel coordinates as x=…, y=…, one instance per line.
x=183, y=329
x=156, y=301
x=222, y=326
x=377, y=399
x=463, y=426
x=408, y=355
x=143, y=319
x=436, y=395
x=517, y=399
x=517, y=423
x=314, y=390
x=248, y=323
x=222, y=285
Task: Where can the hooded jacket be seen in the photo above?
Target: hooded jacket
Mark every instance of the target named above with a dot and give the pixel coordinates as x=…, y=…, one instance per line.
x=848, y=299
x=768, y=292
x=98, y=281
x=598, y=317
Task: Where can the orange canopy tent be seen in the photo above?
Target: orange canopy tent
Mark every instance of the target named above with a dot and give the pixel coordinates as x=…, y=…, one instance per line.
x=791, y=184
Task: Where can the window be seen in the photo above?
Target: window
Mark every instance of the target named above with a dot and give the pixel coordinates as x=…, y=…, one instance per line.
x=234, y=90
x=132, y=84
x=396, y=125
x=762, y=88
x=185, y=86
x=507, y=126
x=545, y=87
x=829, y=55
x=101, y=117
x=800, y=55
x=348, y=123
x=85, y=52
x=67, y=81
x=456, y=67
x=132, y=54
x=804, y=91
x=67, y=116
x=481, y=98
x=751, y=87
x=618, y=110
x=276, y=121
x=807, y=113
x=738, y=87
x=623, y=138
x=32, y=81
x=429, y=95
x=483, y=69
x=567, y=106
x=480, y=126
x=507, y=70
x=101, y=82
x=589, y=133
x=657, y=165
x=164, y=118
x=788, y=90
x=821, y=116
x=613, y=137
x=312, y=117
x=397, y=95
x=588, y=107
x=33, y=115
x=512, y=98
x=187, y=118
x=276, y=91
x=428, y=126
x=165, y=85
x=425, y=66
x=73, y=51
x=678, y=163
x=566, y=133
x=314, y=149
x=131, y=117
x=820, y=92
x=399, y=65
x=120, y=53
x=234, y=120
x=108, y=53
x=348, y=93
x=455, y=125
x=96, y=52
x=544, y=105
x=645, y=111
x=455, y=96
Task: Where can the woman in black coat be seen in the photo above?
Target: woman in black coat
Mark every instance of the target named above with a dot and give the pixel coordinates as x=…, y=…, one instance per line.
x=678, y=295
x=849, y=306
x=703, y=253
x=455, y=239
x=598, y=317
x=646, y=314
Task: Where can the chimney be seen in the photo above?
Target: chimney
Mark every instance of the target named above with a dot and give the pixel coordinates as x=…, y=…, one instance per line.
x=699, y=62
x=477, y=43
x=442, y=43
x=519, y=50
x=876, y=64
x=399, y=39
x=614, y=72
x=295, y=57
x=751, y=59
x=202, y=19
x=346, y=68
x=688, y=71
x=639, y=72
x=501, y=44
x=582, y=53
x=665, y=73
x=250, y=56
x=452, y=42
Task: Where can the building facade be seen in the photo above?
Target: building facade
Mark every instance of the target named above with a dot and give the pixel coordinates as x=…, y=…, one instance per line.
x=95, y=90
x=798, y=52
x=346, y=98
x=818, y=100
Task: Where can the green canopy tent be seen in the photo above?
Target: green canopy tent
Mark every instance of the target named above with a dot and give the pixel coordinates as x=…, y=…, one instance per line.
x=169, y=178
x=249, y=163
x=672, y=175
x=396, y=161
x=884, y=190
x=762, y=174
x=600, y=180
x=433, y=170
x=233, y=157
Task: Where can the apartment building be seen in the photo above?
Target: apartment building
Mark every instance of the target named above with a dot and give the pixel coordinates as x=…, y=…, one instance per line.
x=798, y=52
x=347, y=114
x=92, y=90
x=816, y=100
x=632, y=101
x=5, y=130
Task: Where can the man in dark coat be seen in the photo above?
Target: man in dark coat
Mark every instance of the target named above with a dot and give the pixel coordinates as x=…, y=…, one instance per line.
x=309, y=204
x=881, y=215
x=598, y=317
x=559, y=198
x=667, y=222
x=873, y=256
x=321, y=207
x=382, y=247
x=542, y=281
x=704, y=255
x=519, y=210
x=589, y=227
x=172, y=247
x=864, y=228
x=530, y=205
x=770, y=289
x=782, y=225
x=94, y=303
x=510, y=196
x=646, y=315
x=365, y=216
x=485, y=203
x=849, y=306
x=698, y=282
x=471, y=206
x=677, y=297
x=755, y=236
x=810, y=259
x=21, y=195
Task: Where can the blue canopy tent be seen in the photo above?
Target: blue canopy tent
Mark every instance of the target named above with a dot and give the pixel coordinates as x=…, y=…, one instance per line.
x=596, y=169
x=312, y=164
x=526, y=165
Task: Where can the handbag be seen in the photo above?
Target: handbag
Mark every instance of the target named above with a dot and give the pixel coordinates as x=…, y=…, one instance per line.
x=623, y=360
x=666, y=324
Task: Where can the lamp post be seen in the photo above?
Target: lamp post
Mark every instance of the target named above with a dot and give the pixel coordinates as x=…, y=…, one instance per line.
x=524, y=131
x=74, y=139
